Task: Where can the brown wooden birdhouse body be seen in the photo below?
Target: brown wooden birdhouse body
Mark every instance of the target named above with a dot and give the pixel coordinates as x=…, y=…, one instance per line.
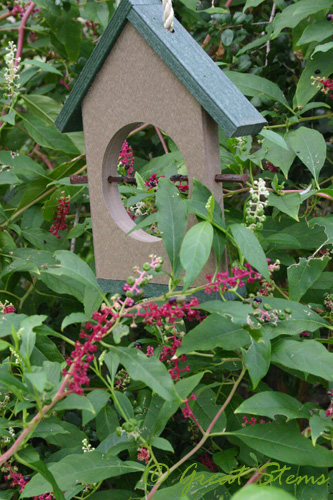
x=141, y=73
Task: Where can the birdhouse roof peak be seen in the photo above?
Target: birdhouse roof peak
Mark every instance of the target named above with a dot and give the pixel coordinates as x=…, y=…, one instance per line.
x=186, y=59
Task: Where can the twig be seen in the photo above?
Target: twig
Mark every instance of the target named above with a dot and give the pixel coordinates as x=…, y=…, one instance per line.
x=76, y=220
x=165, y=147
x=257, y=475
x=6, y=14
x=268, y=43
x=42, y=156
x=228, y=3
x=31, y=6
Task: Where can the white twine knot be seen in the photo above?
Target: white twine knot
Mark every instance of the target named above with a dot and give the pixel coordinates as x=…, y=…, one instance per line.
x=168, y=14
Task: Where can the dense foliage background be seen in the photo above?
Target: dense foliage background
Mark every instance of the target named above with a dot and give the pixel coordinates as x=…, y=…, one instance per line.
x=213, y=389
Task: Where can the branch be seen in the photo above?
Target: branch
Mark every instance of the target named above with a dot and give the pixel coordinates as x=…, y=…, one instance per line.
x=31, y=6
x=42, y=156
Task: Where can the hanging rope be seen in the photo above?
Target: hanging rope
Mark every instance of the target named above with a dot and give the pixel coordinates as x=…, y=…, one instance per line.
x=168, y=15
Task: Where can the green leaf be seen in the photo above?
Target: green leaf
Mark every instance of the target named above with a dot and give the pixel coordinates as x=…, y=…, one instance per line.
x=75, y=402
x=205, y=409
x=327, y=224
x=42, y=65
x=28, y=335
x=251, y=3
x=254, y=492
x=304, y=274
x=42, y=107
x=275, y=138
x=257, y=359
x=9, y=118
x=151, y=371
x=271, y=403
x=310, y=147
x=322, y=48
x=256, y=86
x=40, y=467
x=287, y=203
x=86, y=468
x=305, y=89
x=294, y=14
x=238, y=312
x=171, y=219
x=162, y=444
x=74, y=318
x=47, y=135
x=227, y=37
x=23, y=165
x=71, y=266
x=317, y=31
x=282, y=443
x=147, y=221
x=98, y=398
x=106, y=422
x=319, y=424
x=222, y=333
x=308, y=356
x=195, y=250
x=251, y=249
x=119, y=332
x=280, y=157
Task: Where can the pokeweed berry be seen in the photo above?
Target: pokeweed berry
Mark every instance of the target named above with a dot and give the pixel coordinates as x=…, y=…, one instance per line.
x=118, y=431
x=146, y=266
x=287, y=310
x=129, y=294
x=129, y=426
x=158, y=267
x=27, y=478
x=267, y=307
x=255, y=305
x=172, y=301
x=329, y=17
x=258, y=300
x=138, y=345
x=48, y=386
x=130, y=280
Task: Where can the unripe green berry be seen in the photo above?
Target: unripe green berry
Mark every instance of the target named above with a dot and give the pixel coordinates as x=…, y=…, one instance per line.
x=158, y=268
x=133, y=421
x=118, y=431
x=138, y=409
x=260, y=226
x=287, y=310
x=129, y=294
x=130, y=280
x=281, y=316
x=129, y=426
x=146, y=266
x=267, y=307
x=255, y=305
x=48, y=386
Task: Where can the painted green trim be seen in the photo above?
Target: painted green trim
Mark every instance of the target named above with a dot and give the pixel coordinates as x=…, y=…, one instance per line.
x=183, y=55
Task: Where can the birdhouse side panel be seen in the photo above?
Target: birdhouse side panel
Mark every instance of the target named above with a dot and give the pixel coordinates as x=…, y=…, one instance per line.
x=135, y=86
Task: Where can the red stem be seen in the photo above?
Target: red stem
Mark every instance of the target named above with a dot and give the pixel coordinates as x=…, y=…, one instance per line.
x=256, y=476
x=228, y=3
x=165, y=147
x=21, y=29
x=43, y=157
x=6, y=14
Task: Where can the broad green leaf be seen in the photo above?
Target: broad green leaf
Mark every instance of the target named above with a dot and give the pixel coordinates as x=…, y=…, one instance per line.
x=42, y=65
x=227, y=37
x=251, y=3
x=147, y=221
x=42, y=107
x=295, y=13
x=41, y=239
x=256, y=86
x=112, y=445
x=47, y=135
x=257, y=359
x=280, y=157
x=75, y=402
x=23, y=165
x=320, y=424
x=304, y=274
x=226, y=459
x=310, y=147
x=47, y=428
x=222, y=333
x=37, y=379
x=254, y=492
x=271, y=403
x=282, y=443
x=163, y=165
x=287, y=203
x=308, y=356
x=71, y=266
x=9, y=117
x=28, y=336
x=98, y=398
x=327, y=224
x=205, y=409
x=237, y=311
x=250, y=248
x=324, y=47
x=73, y=469
x=4, y=345
x=107, y=422
x=112, y=363
x=317, y=31
x=40, y=467
x=305, y=89
x=171, y=219
x=119, y=332
x=195, y=250
x=69, y=33
x=275, y=138
x=162, y=444
x=151, y=371
x=73, y=318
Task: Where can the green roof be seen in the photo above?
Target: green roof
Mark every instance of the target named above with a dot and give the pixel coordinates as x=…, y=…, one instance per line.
x=183, y=55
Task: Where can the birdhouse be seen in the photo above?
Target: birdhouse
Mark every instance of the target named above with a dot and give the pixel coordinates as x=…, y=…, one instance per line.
x=141, y=73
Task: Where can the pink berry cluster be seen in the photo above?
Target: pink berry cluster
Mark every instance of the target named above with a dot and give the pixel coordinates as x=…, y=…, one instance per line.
x=152, y=183
x=271, y=167
x=225, y=280
x=17, y=479
x=7, y=308
x=59, y=222
x=253, y=421
x=327, y=84
x=93, y=26
x=134, y=286
x=170, y=311
x=208, y=462
x=126, y=158
x=20, y=10
x=187, y=412
x=143, y=455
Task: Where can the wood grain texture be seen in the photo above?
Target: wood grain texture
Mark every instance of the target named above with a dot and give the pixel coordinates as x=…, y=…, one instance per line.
x=182, y=54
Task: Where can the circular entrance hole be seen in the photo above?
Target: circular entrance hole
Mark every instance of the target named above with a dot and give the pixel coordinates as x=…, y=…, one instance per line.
x=137, y=157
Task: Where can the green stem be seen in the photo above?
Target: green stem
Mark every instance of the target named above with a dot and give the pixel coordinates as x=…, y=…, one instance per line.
x=305, y=119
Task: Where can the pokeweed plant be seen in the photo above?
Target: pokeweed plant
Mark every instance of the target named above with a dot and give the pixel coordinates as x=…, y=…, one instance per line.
x=216, y=391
